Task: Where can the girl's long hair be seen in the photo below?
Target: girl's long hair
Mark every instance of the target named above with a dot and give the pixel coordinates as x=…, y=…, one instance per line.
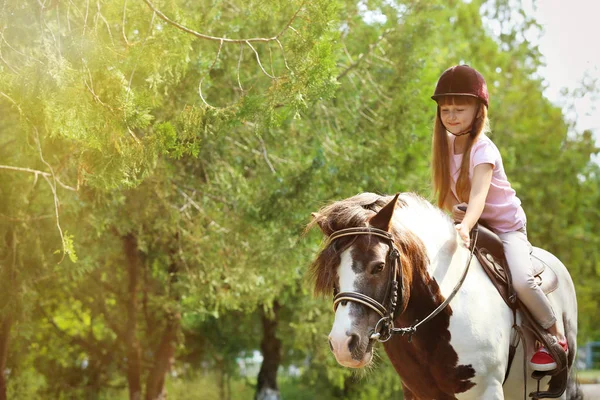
x=440, y=160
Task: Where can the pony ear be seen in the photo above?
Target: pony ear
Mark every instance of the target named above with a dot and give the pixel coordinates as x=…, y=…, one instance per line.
x=322, y=222
x=383, y=219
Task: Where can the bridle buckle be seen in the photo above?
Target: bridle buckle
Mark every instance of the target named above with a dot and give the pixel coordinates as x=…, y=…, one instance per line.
x=383, y=330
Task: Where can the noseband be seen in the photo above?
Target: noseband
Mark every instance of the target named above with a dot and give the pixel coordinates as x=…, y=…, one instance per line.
x=384, y=329
x=387, y=308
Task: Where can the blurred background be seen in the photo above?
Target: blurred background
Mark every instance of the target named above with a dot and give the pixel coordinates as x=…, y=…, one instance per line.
x=159, y=161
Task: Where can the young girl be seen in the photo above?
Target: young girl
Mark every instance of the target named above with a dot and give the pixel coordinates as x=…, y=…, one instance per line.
x=467, y=168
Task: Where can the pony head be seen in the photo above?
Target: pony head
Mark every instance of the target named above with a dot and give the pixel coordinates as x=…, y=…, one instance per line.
x=360, y=264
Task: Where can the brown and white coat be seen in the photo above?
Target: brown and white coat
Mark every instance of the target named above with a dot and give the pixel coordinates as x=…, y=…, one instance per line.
x=462, y=353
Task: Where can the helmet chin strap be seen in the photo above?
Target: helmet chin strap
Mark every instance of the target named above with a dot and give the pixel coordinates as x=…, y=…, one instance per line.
x=460, y=134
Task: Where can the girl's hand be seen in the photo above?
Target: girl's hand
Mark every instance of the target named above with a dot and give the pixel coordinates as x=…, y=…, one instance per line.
x=457, y=214
x=463, y=231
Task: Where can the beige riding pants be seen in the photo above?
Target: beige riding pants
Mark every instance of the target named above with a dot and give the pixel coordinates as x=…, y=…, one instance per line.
x=517, y=250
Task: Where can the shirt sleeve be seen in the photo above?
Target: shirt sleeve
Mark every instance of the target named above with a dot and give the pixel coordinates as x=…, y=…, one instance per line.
x=485, y=153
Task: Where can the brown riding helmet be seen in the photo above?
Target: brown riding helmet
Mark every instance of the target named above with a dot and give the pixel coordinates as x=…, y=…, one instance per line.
x=462, y=80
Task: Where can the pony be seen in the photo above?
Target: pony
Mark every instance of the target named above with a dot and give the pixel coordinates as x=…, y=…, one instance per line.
x=460, y=349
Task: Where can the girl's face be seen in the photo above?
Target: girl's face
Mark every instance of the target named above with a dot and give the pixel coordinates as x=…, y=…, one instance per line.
x=458, y=118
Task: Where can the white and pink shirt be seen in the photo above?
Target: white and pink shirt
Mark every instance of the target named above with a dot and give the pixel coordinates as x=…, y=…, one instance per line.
x=502, y=211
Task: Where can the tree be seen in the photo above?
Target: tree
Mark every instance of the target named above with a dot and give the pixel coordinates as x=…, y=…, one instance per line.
x=101, y=104
x=174, y=168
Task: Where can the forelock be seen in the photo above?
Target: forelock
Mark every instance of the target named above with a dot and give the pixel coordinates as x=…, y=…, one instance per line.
x=352, y=212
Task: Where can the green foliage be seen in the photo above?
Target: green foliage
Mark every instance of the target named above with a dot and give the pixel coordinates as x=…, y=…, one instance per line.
x=189, y=147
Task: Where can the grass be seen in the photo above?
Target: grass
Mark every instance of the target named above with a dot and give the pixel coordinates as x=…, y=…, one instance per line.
x=589, y=376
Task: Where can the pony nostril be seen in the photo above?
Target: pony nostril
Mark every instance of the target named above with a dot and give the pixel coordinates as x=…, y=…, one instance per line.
x=353, y=342
x=344, y=302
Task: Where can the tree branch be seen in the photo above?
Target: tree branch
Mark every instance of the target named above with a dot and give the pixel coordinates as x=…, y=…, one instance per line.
x=87, y=10
x=265, y=154
x=207, y=72
x=90, y=88
x=363, y=55
x=123, y=25
x=189, y=200
x=17, y=51
x=259, y=63
x=238, y=69
x=222, y=39
x=99, y=13
x=37, y=173
x=133, y=135
x=283, y=54
x=46, y=176
x=16, y=219
x=7, y=64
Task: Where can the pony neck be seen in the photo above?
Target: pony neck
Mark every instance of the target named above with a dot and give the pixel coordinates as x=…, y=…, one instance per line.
x=445, y=254
x=434, y=228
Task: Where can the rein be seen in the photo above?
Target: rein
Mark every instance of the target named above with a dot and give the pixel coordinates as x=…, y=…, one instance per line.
x=384, y=328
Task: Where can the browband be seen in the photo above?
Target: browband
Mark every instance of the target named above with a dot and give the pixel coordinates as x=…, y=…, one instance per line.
x=360, y=231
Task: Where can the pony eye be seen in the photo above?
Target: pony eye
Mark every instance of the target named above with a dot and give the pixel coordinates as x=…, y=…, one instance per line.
x=378, y=268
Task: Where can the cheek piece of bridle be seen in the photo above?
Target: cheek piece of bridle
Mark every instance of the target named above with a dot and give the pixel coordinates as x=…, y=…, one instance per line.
x=384, y=328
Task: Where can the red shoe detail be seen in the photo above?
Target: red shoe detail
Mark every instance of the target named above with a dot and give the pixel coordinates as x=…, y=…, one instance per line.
x=543, y=361
x=564, y=345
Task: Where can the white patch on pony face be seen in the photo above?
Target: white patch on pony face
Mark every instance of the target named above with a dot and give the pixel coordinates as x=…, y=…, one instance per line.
x=342, y=325
x=347, y=278
x=346, y=275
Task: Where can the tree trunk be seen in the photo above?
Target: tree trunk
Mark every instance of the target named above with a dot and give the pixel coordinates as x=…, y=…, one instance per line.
x=134, y=364
x=165, y=356
x=270, y=346
x=163, y=360
x=349, y=386
x=5, y=325
x=7, y=320
x=221, y=368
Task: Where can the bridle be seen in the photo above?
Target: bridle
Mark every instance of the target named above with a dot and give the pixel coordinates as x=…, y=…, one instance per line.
x=384, y=328
x=386, y=308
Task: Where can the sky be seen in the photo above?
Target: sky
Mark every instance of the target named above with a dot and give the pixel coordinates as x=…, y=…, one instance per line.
x=569, y=43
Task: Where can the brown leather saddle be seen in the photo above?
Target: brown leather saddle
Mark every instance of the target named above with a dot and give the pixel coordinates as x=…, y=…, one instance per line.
x=489, y=250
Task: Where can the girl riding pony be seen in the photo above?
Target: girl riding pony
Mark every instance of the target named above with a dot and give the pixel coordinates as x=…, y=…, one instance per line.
x=467, y=170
